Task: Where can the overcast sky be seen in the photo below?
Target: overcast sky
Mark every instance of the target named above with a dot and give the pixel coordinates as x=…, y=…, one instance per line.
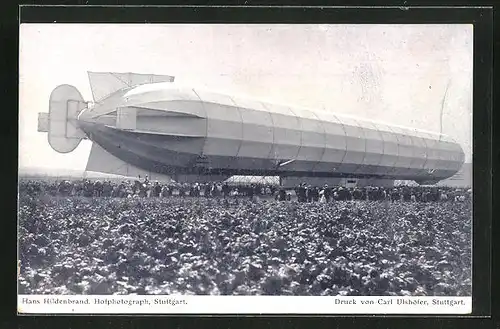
x=393, y=73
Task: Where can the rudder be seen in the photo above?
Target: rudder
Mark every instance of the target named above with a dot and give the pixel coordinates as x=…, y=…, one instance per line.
x=65, y=104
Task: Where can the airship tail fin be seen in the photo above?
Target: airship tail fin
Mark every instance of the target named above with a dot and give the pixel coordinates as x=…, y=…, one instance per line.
x=101, y=161
x=60, y=123
x=105, y=83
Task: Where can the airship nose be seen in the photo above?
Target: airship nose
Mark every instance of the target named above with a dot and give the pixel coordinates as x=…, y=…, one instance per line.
x=462, y=154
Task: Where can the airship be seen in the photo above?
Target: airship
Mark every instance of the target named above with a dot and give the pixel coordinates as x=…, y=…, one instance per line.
x=152, y=123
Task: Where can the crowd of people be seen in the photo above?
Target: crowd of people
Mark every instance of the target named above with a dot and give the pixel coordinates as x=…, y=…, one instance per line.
x=302, y=193
x=143, y=188
x=307, y=193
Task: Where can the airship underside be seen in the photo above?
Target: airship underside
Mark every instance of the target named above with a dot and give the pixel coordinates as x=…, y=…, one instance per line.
x=169, y=129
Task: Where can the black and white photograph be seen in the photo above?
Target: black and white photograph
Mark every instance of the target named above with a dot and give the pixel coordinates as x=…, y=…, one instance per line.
x=168, y=162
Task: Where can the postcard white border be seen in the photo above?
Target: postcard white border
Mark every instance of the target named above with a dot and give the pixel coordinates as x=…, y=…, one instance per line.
x=178, y=304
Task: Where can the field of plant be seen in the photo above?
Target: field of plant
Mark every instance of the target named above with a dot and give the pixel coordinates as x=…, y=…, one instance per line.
x=238, y=247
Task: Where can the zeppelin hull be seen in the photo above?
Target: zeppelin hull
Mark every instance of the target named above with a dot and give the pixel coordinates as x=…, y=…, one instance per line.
x=170, y=155
x=170, y=130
